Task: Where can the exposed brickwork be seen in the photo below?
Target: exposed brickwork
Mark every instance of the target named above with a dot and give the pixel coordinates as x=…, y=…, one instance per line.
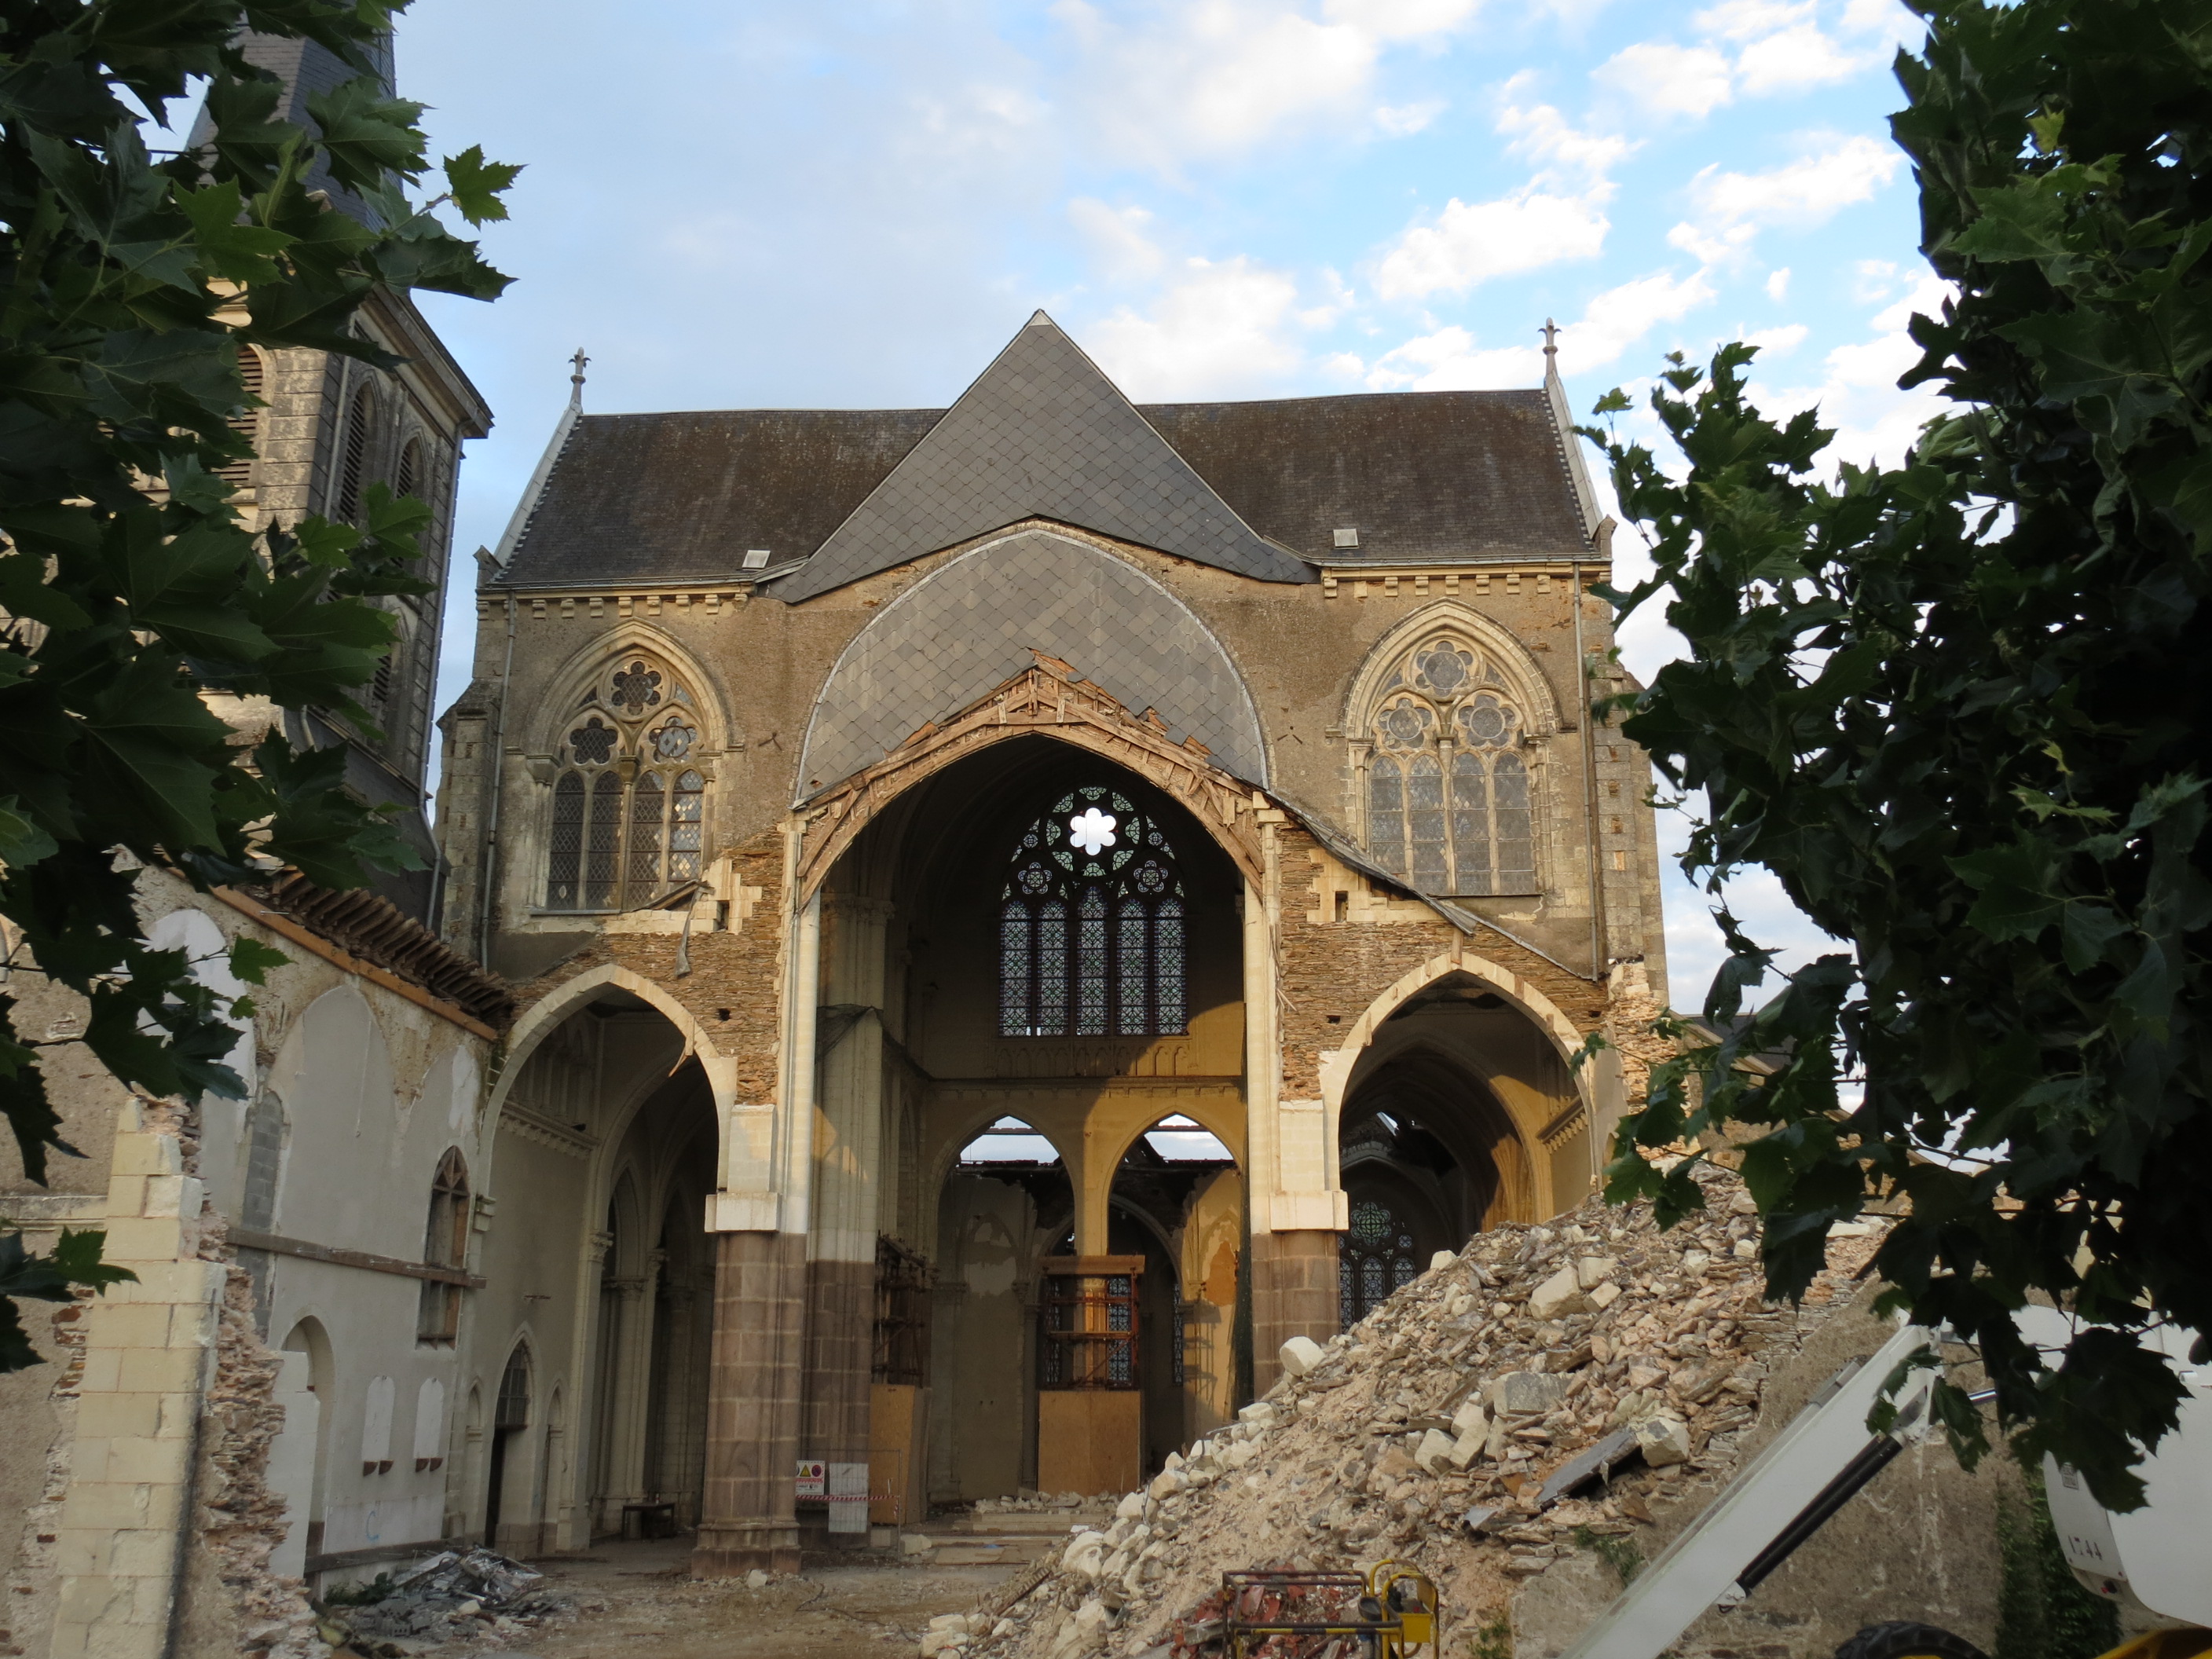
x=1331, y=970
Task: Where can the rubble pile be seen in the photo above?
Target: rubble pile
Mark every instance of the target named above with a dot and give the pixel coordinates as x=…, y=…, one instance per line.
x=454, y=1595
x=1541, y=1392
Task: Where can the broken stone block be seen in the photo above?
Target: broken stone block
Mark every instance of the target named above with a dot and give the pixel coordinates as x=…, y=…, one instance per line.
x=1470, y=1417
x=1558, y=1295
x=1167, y=1483
x=1604, y=1296
x=1592, y=1271
x=1743, y=1204
x=1443, y=1259
x=1131, y=1508
x=1523, y=1394
x=1664, y=1440
x=1435, y=1447
x=757, y=1580
x=1260, y=1414
x=1300, y=1355
x=1086, y=1554
x=910, y=1543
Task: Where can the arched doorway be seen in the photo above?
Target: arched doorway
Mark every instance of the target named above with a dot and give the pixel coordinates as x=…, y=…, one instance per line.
x=1036, y=938
x=1441, y=1133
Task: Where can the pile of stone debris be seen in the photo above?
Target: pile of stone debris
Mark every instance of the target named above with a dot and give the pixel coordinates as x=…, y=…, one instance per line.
x=1539, y=1393
x=452, y=1596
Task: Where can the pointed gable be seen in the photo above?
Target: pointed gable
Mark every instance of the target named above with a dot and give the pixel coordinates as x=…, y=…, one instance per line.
x=1042, y=434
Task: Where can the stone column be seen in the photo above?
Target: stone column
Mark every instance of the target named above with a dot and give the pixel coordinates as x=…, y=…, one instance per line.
x=848, y=1154
x=758, y=1217
x=1297, y=1206
x=747, y=1519
x=633, y=1383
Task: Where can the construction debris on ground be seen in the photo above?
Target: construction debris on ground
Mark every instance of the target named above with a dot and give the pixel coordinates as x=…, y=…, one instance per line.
x=455, y=1595
x=1539, y=1394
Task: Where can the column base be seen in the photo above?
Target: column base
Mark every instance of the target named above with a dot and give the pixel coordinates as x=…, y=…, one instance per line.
x=732, y=1552
x=1294, y=1293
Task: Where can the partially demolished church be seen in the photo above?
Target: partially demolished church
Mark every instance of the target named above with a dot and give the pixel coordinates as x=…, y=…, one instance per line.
x=1015, y=910
x=953, y=934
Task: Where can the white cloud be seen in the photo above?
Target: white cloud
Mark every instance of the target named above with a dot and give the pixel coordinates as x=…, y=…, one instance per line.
x=1669, y=80
x=1118, y=245
x=1793, y=59
x=1777, y=285
x=1724, y=246
x=1402, y=19
x=1541, y=134
x=1219, y=329
x=1888, y=21
x=1751, y=19
x=1470, y=242
x=1808, y=192
x=1172, y=82
x=1403, y=120
x=1450, y=360
x=1778, y=342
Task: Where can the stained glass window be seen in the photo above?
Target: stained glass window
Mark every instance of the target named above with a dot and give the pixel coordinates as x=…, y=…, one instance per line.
x=1096, y=860
x=1375, y=1257
x=626, y=842
x=1449, y=803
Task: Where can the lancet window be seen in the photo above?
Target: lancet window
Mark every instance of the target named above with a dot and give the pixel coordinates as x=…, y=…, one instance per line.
x=629, y=799
x=1093, y=924
x=1449, y=802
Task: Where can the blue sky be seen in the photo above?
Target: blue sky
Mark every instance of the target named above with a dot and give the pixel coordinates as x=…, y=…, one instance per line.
x=790, y=204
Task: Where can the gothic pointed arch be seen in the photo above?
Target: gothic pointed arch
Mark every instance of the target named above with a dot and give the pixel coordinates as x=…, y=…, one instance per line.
x=628, y=743
x=1449, y=724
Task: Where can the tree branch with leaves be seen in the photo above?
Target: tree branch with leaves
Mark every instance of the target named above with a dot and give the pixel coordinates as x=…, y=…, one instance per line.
x=130, y=586
x=1954, y=707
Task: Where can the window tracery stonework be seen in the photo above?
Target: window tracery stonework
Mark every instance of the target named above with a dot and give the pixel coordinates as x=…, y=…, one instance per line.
x=1091, y=924
x=629, y=792
x=1444, y=770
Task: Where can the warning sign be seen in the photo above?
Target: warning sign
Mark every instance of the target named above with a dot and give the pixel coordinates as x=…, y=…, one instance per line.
x=813, y=1482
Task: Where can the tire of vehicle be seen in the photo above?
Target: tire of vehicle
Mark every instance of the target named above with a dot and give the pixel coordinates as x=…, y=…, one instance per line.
x=1903, y=1639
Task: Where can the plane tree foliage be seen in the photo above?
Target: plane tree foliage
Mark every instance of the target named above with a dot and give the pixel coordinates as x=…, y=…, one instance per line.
x=1956, y=707
x=134, y=597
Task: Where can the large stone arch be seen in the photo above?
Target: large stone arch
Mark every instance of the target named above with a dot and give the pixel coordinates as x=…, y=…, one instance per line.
x=555, y=706
x=1046, y=700
x=974, y=621
x=1338, y=1066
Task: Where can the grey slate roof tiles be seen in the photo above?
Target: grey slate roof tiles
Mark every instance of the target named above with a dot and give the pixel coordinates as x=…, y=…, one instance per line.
x=971, y=625
x=1042, y=434
x=1421, y=476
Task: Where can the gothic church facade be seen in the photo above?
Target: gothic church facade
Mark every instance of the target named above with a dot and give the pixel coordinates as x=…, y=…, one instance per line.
x=1014, y=911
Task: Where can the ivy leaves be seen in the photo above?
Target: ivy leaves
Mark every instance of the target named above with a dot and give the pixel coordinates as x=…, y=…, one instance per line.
x=1951, y=705
x=128, y=284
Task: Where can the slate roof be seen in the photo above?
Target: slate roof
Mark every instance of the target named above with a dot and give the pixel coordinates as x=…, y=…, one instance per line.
x=681, y=497
x=305, y=68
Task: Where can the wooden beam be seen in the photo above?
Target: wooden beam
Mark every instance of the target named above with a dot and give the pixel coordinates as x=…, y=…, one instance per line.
x=277, y=1244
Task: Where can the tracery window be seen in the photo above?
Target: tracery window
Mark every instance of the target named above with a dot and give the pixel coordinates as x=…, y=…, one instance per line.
x=1093, y=924
x=1449, y=802
x=444, y=1244
x=1375, y=1258
x=629, y=801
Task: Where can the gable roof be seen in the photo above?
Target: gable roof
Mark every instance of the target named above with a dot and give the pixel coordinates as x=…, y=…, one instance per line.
x=1433, y=476
x=1041, y=435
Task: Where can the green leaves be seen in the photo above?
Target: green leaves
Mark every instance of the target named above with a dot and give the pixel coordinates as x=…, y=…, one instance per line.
x=1951, y=705
x=127, y=288
x=477, y=184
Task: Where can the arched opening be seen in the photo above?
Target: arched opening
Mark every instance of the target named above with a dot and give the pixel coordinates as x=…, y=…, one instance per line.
x=606, y=1154
x=507, y=1483
x=1005, y=1202
x=1452, y=1123
x=444, y=1244
x=300, y=1468
x=647, y=1445
x=1030, y=961
x=1177, y=1201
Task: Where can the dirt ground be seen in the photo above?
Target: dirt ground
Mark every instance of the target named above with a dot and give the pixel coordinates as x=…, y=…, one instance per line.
x=637, y=1600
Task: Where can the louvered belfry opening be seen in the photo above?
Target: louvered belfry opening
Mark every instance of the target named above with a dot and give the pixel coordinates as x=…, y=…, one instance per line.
x=353, y=460
x=239, y=474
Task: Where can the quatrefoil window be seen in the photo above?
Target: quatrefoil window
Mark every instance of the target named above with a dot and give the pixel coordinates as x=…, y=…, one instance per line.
x=635, y=688
x=674, y=740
